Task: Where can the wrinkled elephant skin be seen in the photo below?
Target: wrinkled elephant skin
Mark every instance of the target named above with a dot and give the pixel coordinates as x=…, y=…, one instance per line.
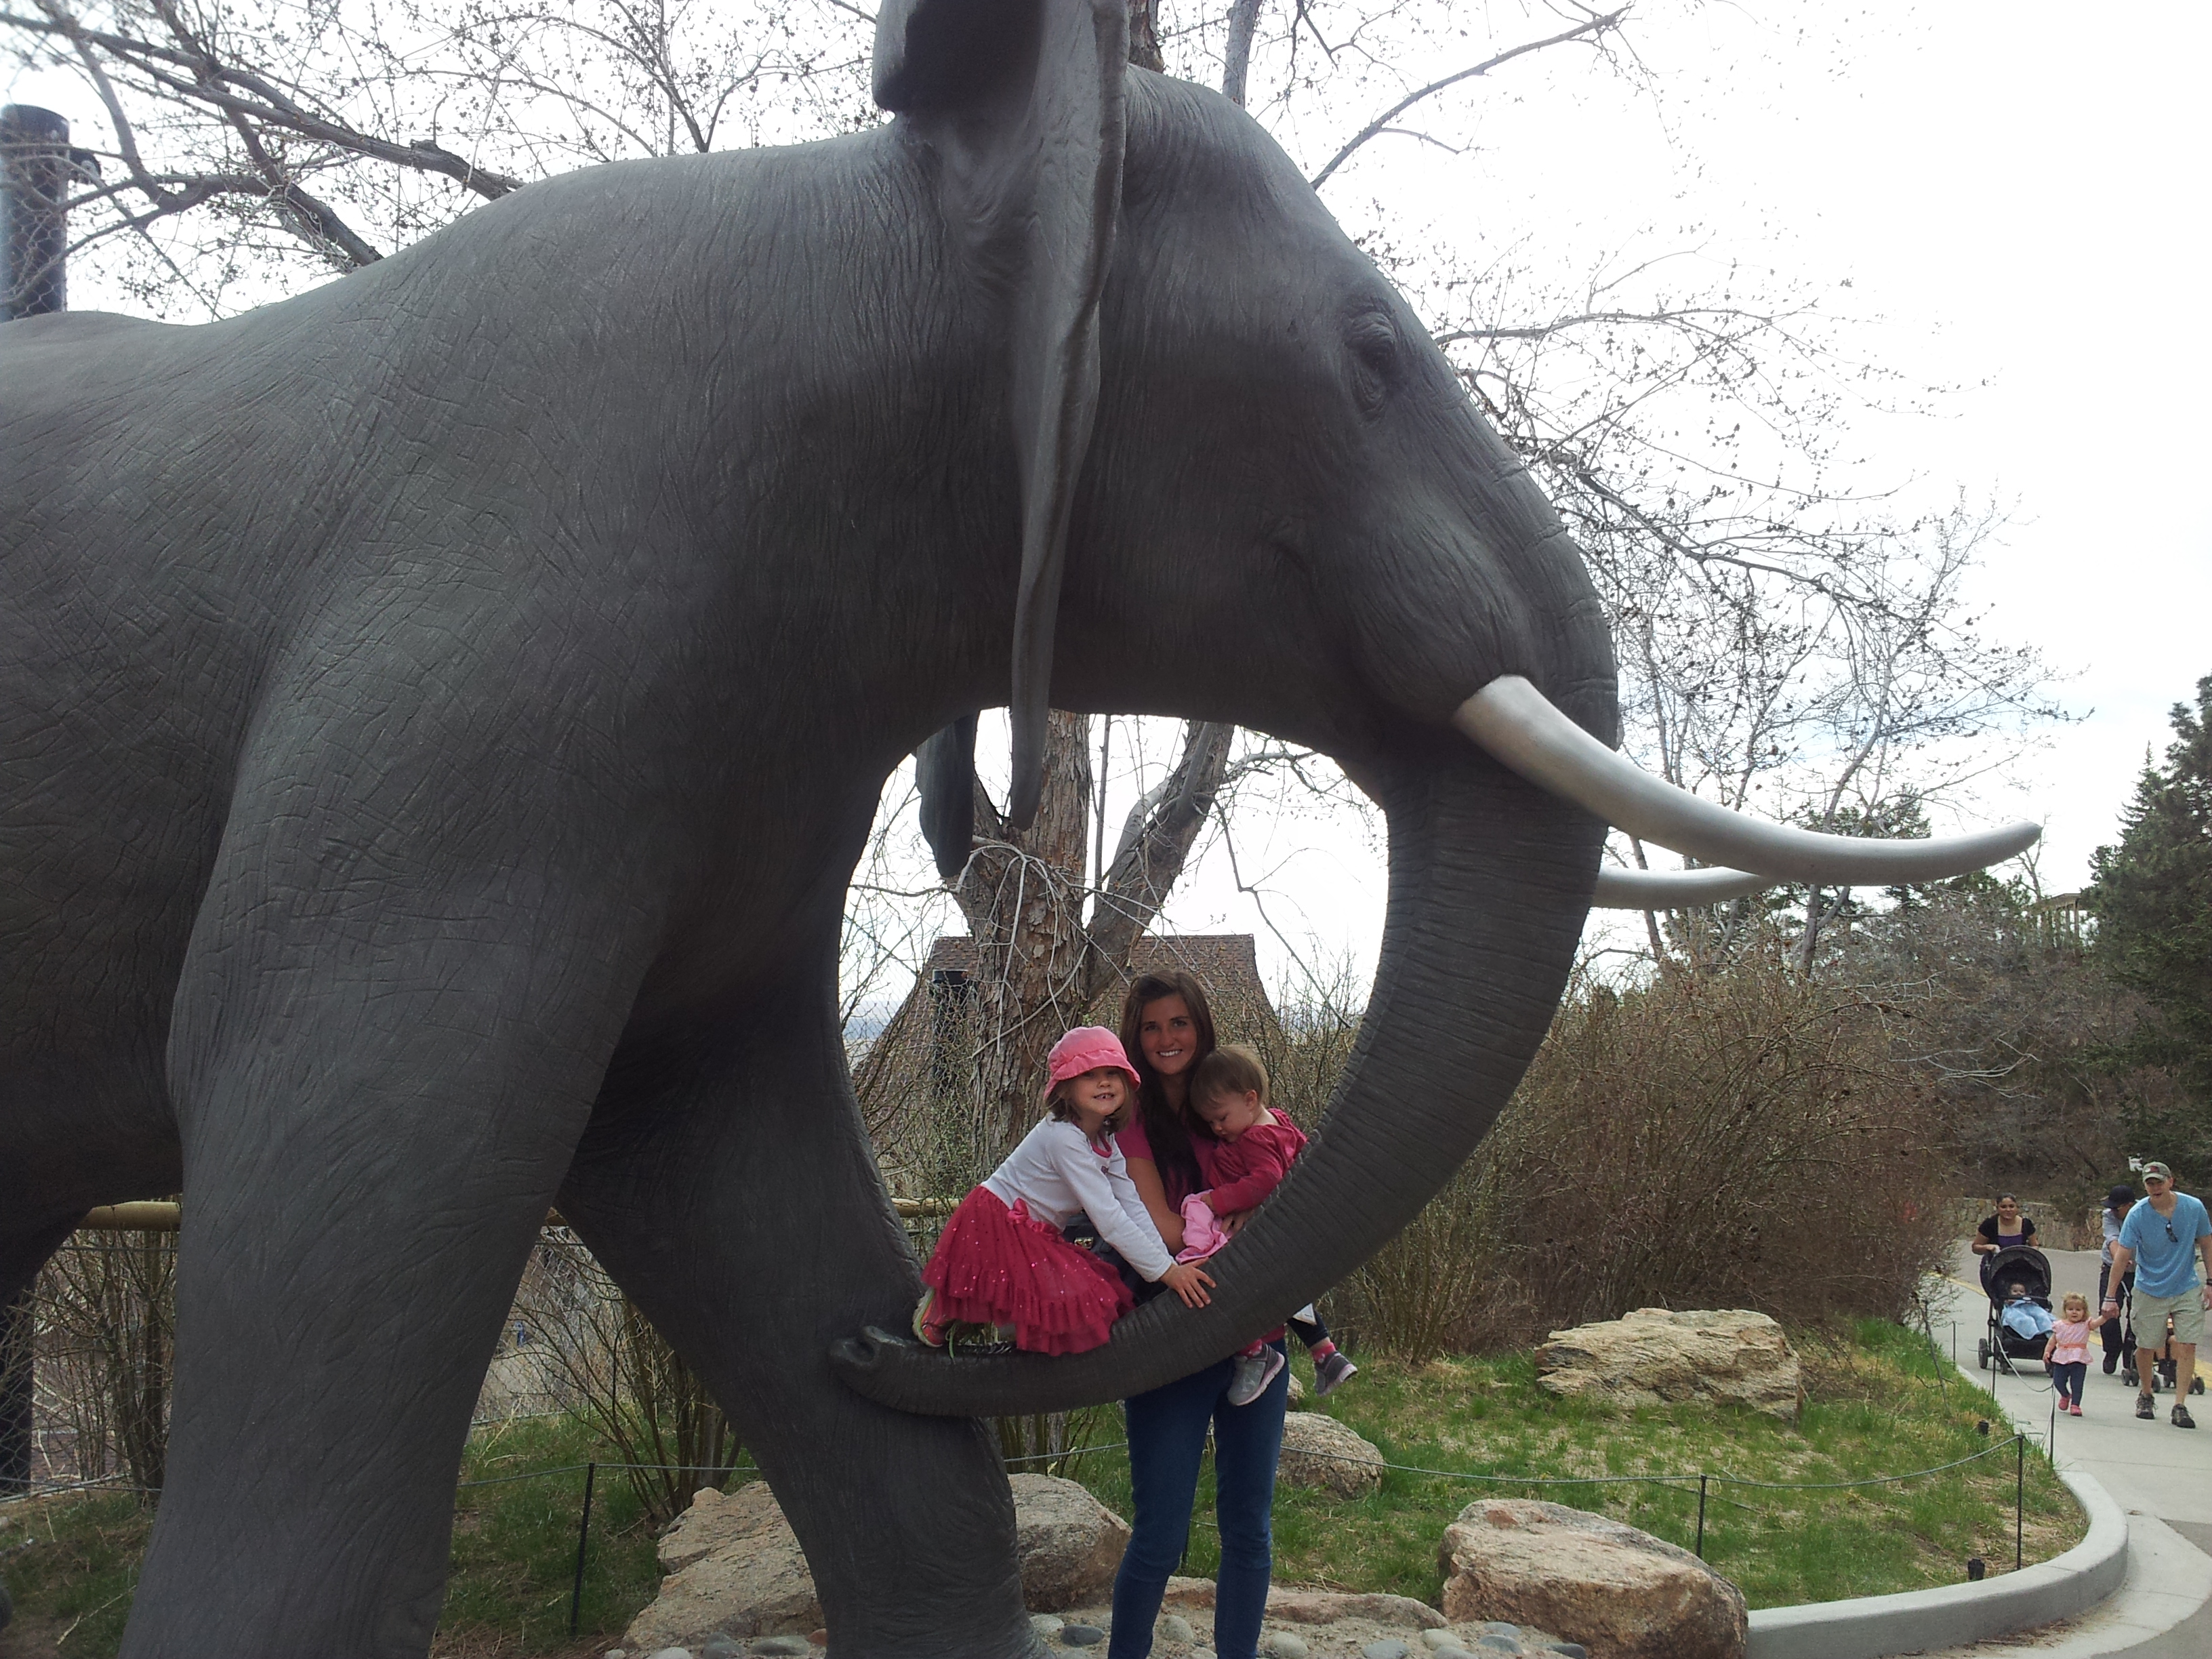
x=438, y=714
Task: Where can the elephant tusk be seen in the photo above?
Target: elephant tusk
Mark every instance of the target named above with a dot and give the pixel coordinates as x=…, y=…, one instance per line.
x=1516, y=724
x=1671, y=890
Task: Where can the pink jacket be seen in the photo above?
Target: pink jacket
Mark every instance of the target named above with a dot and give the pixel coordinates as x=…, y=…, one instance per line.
x=1246, y=1170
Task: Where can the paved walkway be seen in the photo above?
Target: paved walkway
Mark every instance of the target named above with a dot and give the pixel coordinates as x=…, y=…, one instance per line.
x=2160, y=1474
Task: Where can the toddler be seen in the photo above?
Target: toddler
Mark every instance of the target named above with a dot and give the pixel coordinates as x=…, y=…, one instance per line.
x=2066, y=1355
x=1257, y=1146
x=1001, y=1260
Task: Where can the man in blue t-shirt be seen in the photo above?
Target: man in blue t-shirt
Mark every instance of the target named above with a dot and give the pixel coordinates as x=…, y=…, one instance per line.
x=2167, y=1240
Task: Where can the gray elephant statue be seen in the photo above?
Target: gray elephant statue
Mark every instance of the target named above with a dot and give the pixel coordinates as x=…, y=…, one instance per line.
x=439, y=713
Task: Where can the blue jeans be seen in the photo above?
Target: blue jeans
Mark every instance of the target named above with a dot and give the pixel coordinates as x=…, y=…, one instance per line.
x=1167, y=1437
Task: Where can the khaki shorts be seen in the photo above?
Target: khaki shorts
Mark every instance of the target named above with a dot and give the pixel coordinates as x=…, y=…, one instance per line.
x=2188, y=1312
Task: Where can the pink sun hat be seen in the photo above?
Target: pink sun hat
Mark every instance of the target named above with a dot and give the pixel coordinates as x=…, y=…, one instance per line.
x=1088, y=1048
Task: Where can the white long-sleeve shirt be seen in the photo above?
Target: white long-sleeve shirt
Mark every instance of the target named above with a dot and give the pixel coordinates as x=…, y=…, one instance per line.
x=1058, y=1173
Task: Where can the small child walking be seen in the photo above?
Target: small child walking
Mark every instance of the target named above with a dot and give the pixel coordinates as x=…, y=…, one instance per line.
x=2066, y=1354
x=1001, y=1260
x=1256, y=1148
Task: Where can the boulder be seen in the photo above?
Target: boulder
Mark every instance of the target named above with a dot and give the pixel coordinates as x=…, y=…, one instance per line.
x=1319, y=1451
x=1069, y=1542
x=1653, y=1356
x=735, y=1569
x=1618, y=1592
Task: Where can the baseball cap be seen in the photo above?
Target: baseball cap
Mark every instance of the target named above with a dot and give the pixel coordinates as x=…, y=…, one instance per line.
x=2158, y=1172
x=2119, y=1195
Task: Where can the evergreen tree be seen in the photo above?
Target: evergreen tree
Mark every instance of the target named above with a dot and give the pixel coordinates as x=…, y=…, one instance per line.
x=2152, y=896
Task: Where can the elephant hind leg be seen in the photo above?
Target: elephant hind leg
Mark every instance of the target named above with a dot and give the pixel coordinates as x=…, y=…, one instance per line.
x=732, y=1194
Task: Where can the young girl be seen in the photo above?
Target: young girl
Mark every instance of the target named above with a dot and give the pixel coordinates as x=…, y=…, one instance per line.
x=1257, y=1145
x=2067, y=1351
x=1001, y=1260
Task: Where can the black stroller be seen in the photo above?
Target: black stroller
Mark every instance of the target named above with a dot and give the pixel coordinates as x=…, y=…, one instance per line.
x=2024, y=1266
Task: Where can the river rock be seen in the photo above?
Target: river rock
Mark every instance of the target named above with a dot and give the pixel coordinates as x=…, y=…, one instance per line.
x=1320, y=1452
x=1069, y=1542
x=1289, y=1606
x=1652, y=1356
x=1620, y=1592
x=1281, y=1644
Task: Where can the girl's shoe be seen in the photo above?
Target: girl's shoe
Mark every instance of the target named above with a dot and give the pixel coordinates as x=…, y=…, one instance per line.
x=1331, y=1374
x=1254, y=1372
x=927, y=1329
x=2074, y=1408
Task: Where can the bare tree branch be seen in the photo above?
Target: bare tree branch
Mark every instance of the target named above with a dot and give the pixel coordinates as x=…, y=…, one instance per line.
x=1592, y=28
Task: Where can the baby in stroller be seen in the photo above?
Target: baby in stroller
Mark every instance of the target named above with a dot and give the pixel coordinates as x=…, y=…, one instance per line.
x=2018, y=1286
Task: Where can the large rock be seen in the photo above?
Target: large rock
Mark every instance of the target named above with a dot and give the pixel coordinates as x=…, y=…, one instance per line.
x=1619, y=1592
x=1653, y=1356
x=1070, y=1543
x=1319, y=1451
x=735, y=1569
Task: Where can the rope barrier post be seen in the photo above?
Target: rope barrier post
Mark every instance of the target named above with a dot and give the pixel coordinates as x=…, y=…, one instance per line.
x=1702, y=1478
x=583, y=1537
x=2019, y=1497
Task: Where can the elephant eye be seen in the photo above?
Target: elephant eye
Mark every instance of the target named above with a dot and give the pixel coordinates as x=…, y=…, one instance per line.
x=1376, y=365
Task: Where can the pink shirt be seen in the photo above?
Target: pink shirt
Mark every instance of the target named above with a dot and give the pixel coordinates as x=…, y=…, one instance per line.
x=2069, y=1341
x=1131, y=1138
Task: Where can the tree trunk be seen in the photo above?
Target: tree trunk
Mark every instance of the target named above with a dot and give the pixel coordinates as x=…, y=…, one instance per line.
x=1023, y=896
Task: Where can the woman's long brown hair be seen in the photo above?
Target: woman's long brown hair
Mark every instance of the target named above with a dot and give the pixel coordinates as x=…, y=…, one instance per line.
x=1165, y=1128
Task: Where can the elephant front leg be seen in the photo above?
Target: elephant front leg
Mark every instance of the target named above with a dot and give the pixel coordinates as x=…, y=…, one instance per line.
x=376, y=1109
x=728, y=1186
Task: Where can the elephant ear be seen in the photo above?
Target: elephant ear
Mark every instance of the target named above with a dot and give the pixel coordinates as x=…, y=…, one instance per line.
x=1022, y=101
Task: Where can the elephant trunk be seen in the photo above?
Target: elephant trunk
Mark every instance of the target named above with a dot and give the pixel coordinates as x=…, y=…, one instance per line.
x=1490, y=879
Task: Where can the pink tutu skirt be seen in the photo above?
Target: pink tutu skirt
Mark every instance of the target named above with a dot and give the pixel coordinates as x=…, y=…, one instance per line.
x=994, y=1265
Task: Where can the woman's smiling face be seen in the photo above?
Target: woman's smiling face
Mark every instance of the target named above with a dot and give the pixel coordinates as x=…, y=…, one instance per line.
x=1168, y=1035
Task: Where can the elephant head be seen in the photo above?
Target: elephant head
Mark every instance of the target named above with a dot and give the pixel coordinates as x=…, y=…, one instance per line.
x=1254, y=489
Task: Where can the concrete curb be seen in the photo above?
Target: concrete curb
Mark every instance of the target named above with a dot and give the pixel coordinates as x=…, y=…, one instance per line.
x=1915, y=1621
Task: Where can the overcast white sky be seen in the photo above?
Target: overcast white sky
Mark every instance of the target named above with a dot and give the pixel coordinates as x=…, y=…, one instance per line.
x=2016, y=192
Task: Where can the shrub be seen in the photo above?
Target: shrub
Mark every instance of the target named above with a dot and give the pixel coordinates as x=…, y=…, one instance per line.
x=1744, y=1139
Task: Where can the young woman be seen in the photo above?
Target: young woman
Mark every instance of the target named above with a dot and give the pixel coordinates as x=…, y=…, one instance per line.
x=1167, y=1028
x=2002, y=1231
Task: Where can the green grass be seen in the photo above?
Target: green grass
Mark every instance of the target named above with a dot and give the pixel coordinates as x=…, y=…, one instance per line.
x=1879, y=1404
x=513, y=1554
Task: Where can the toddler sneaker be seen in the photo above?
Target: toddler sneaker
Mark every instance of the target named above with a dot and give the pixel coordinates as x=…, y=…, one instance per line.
x=2074, y=1407
x=1253, y=1374
x=1331, y=1374
x=927, y=1329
